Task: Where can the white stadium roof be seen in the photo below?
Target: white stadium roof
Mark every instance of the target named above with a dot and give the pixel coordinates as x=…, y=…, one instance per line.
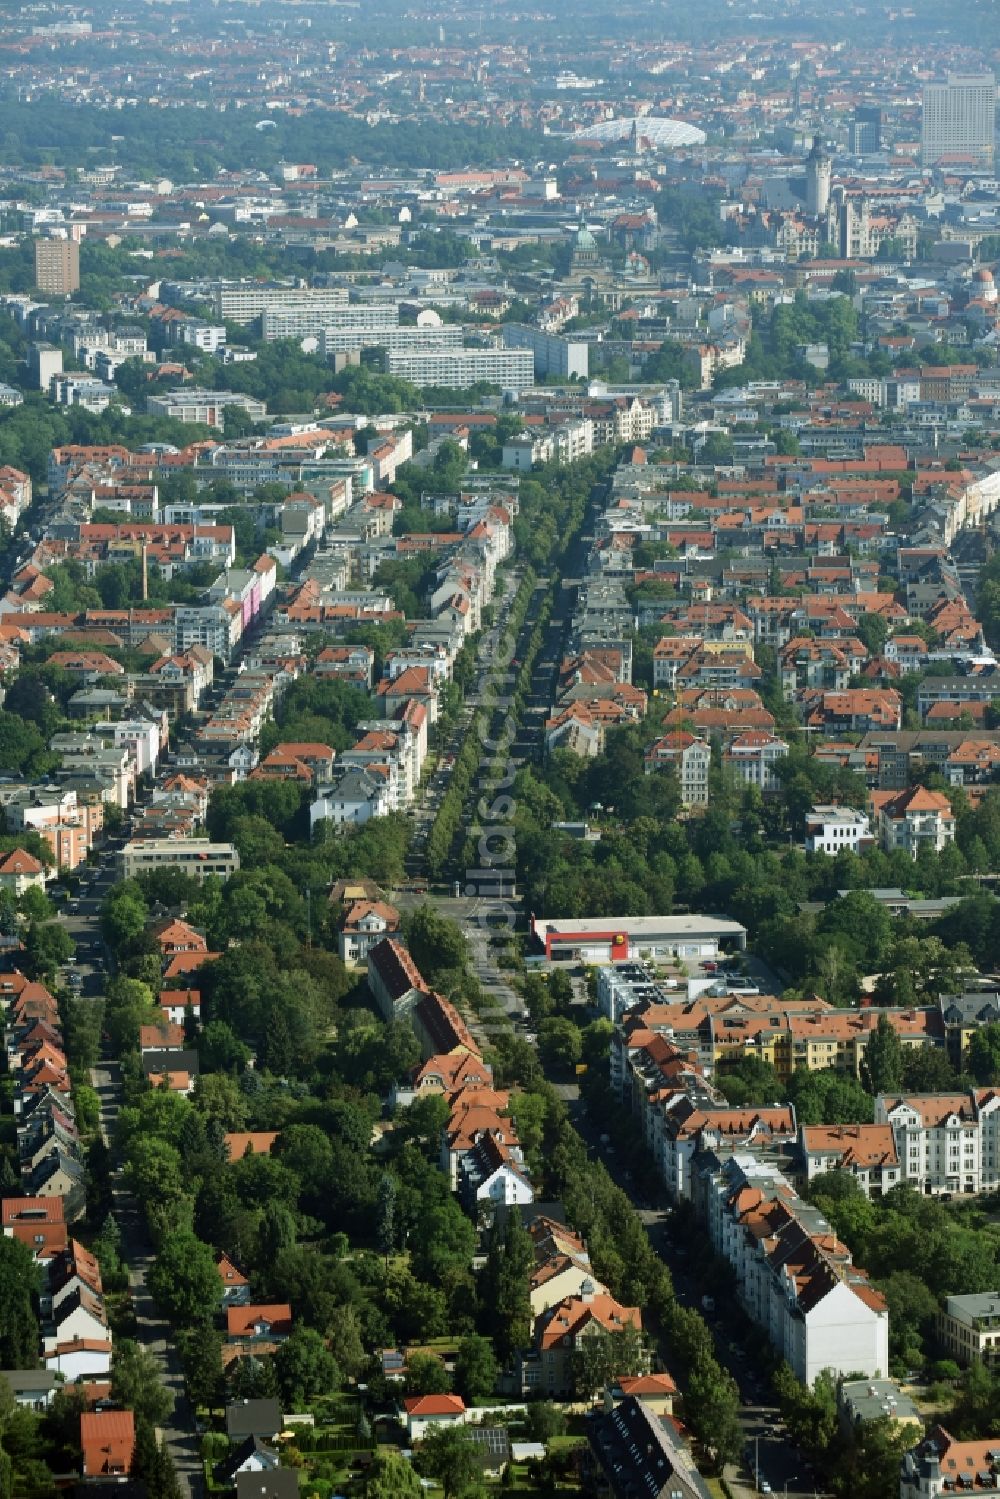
x=655, y=128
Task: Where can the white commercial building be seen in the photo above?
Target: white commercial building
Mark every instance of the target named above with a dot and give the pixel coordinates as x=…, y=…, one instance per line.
x=615, y=939
x=243, y=301
x=304, y=319
x=397, y=340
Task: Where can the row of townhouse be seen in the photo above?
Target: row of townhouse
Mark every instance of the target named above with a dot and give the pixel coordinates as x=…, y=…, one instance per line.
x=479, y=1148
x=76, y=1339
x=381, y=772
x=164, y=549
x=792, y=1276
x=49, y=1153
x=938, y=1143
x=716, y=1028
x=233, y=729
x=482, y=1157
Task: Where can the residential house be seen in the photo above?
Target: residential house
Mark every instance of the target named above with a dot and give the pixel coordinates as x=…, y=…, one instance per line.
x=20, y=872
x=633, y=1451
x=753, y=757
x=832, y=829
x=968, y=1328
x=562, y=1329
x=426, y=1413
x=107, y=1441
x=364, y=925
x=914, y=818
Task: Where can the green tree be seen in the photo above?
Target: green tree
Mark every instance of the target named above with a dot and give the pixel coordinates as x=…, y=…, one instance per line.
x=201, y=1355
x=560, y=1044
x=712, y=1407
x=385, y=1215
x=19, y=1338
x=305, y=1368
x=392, y=1477
x=447, y=1454
x=475, y=1367
x=135, y=1383
x=984, y=1054
x=505, y=1286
x=544, y=1420
x=443, y=1239
x=426, y=1375
x=184, y=1280
x=601, y=1357
x=882, y=1066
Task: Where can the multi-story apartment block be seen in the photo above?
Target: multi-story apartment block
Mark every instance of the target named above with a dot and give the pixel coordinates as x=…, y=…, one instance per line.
x=916, y=818
x=794, y=1276
x=457, y=369
x=753, y=758
x=57, y=266
x=968, y=1328
x=689, y=758
x=553, y=355
x=945, y=1142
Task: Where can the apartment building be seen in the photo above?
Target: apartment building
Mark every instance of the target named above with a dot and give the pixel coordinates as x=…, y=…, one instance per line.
x=553, y=354
x=57, y=266
x=914, y=818
x=753, y=758
x=946, y=1143
x=941, y=1466
x=689, y=758
x=867, y=1151
x=968, y=1328
x=457, y=369
x=794, y=1276
x=565, y=443
x=193, y=856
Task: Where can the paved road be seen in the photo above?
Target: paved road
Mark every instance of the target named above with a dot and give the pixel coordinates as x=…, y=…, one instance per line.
x=81, y=918
x=767, y=1447
x=179, y=1434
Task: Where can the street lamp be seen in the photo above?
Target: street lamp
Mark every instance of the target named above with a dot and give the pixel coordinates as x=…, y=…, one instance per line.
x=793, y=1479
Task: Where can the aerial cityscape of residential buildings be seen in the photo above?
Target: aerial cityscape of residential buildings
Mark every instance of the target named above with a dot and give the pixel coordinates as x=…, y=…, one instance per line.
x=499, y=751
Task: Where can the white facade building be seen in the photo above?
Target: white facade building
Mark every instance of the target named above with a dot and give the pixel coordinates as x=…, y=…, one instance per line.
x=831, y=829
